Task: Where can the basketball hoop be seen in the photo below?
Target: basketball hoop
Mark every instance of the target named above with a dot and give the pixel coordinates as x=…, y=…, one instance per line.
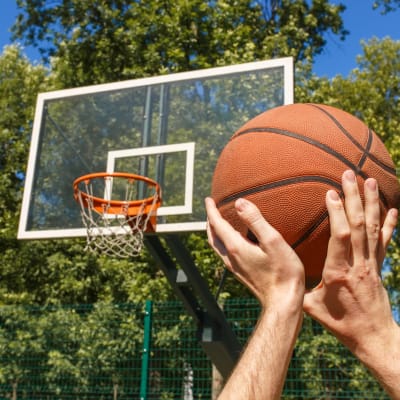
x=117, y=209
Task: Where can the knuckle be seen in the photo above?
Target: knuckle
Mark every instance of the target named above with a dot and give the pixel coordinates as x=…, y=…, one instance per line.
x=343, y=234
x=358, y=221
x=253, y=216
x=232, y=248
x=337, y=206
x=339, y=274
x=273, y=239
x=373, y=230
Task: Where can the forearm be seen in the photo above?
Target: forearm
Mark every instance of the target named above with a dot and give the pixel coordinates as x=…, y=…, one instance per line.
x=261, y=372
x=381, y=355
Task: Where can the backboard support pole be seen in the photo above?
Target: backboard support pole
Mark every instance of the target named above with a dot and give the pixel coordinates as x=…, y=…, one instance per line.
x=215, y=334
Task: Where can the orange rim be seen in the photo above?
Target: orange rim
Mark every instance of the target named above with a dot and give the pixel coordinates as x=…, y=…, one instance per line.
x=131, y=207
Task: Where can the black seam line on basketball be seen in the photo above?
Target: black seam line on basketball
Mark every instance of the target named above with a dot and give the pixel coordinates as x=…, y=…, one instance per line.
x=310, y=230
x=273, y=185
x=386, y=167
x=308, y=140
x=298, y=242
x=365, y=150
x=317, y=144
x=320, y=145
x=314, y=226
x=366, y=153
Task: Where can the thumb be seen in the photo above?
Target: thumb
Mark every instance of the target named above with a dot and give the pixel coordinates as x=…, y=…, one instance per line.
x=254, y=220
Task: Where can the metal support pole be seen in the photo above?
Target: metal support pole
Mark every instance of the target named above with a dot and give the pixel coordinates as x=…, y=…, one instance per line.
x=144, y=380
x=216, y=335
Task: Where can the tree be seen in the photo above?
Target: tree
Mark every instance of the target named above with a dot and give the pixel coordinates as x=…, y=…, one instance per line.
x=110, y=339
x=49, y=272
x=19, y=84
x=99, y=41
x=387, y=5
x=326, y=369
x=19, y=343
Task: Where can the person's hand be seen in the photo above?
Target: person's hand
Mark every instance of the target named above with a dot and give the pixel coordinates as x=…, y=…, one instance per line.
x=270, y=269
x=351, y=301
x=275, y=275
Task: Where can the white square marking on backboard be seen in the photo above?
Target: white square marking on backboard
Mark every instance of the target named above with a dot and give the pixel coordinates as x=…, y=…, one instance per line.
x=185, y=208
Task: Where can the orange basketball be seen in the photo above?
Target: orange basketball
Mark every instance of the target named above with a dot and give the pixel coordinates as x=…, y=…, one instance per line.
x=286, y=159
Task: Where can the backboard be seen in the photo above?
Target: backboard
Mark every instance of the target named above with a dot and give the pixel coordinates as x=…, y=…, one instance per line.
x=170, y=128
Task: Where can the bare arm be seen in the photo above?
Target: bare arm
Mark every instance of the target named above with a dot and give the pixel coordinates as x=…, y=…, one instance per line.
x=351, y=301
x=261, y=371
x=274, y=273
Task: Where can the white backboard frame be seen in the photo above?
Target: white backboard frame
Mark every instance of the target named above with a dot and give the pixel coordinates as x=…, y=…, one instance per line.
x=25, y=233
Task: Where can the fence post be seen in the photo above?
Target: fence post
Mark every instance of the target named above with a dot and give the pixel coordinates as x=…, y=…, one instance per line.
x=144, y=380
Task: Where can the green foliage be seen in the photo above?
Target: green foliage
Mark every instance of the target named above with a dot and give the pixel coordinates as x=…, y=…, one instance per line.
x=89, y=352
x=92, y=42
x=386, y=5
x=19, y=84
x=327, y=369
x=102, y=41
x=69, y=350
x=60, y=272
x=49, y=272
x=98, y=41
x=18, y=343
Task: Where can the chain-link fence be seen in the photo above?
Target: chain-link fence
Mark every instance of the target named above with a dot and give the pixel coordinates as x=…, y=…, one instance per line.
x=151, y=351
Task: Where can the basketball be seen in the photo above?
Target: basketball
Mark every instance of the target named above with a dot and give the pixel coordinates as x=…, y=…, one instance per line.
x=286, y=159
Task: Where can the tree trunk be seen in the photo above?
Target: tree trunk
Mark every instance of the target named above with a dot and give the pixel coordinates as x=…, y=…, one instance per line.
x=14, y=390
x=115, y=396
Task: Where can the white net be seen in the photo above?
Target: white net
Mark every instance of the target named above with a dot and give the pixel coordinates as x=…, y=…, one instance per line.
x=112, y=233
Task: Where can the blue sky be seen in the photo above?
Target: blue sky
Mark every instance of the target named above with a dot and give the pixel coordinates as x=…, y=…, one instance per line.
x=338, y=58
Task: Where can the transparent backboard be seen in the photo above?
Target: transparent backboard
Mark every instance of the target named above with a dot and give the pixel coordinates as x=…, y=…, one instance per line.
x=170, y=128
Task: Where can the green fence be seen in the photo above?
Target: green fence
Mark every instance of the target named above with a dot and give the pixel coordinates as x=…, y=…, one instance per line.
x=150, y=351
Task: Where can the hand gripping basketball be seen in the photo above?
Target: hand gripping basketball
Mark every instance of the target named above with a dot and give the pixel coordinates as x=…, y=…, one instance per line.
x=286, y=159
x=351, y=301
x=268, y=268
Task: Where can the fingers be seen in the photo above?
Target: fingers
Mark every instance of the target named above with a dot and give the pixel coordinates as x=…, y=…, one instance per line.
x=217, y=228
x=372, y=216
x=248, y=213
x=339, y=244
x=262, y=230
x=355, y=214
x=389, y=225
x=264, y=267
x=356, y=233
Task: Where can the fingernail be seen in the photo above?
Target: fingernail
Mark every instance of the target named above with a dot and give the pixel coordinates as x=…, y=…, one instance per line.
x=350, y=176
x=333, y=195
x=371, y=184
x=241, y=204
x=208, y=200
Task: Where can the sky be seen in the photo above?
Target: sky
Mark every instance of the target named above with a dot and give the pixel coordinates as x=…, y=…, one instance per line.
x=339, y=57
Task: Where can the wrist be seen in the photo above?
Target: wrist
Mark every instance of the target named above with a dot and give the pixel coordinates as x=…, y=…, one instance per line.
x=378, y=345
x=285, y=301
x=380, y=353
x=285, y=314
